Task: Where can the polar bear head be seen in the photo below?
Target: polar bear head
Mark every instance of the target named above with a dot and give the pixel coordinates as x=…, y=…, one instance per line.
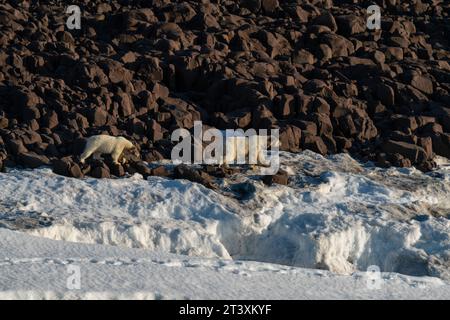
x=126, y=143
x=129, y=146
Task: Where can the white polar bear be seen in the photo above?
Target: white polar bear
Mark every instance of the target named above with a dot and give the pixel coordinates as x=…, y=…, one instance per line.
x=104, y=144
x=238, y=146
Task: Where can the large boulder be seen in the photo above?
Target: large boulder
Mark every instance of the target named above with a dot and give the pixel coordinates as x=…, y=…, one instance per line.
x=32, y=160
x=414, y=153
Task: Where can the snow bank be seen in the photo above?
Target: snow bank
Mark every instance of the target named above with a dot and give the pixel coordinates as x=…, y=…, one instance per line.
x=336, y=214
x=38, y=268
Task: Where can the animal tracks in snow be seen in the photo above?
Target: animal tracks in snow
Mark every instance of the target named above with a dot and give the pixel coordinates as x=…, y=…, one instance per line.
x=235, y=267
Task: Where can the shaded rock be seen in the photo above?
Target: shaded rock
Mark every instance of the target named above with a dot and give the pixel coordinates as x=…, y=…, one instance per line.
x=385, y=94
x=117, y=170
x=15, y=146
x=280, y=178
x=98, y=117
x=314, y=143
x=152, y=156
x=253, y=5
x=66, y=167
x=290, y=138
x=142, y=168
x=270, y=6
x=100, y=173
x=160, y=171
x=410, y=151
x=441, y=144
x=155, y=131
x=327, y=19
x=115, y=71
x=183, y=171
x=350, y=24
x=340, y=46
x=32, y=160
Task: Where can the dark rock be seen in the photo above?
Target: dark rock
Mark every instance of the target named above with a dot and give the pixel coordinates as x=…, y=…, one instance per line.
x=290, y=138
x=394, y=53
x=343, y=144
x=427, y=144
x=303, y=57
x=326, y=19
x=126, y=105
x=422, y=83
x=442, y=114
x=284, y=105
x=115, y=71
x=160, y=171
x=270, y=6
x=183, y=171
x=15, y=146
x=30, y=113
x=32, y=160
x=385, y=94
x=280, y=178
x=441, y=144
x=100, y=173
x=314, y=143
x=155, y=130
x=350, y=24
x=340, y=46
x=142, y=168
x=98, y=117
x=50, y=120
x=152, y=156
x=117, y=170
x=253, y=5
x=410, y=151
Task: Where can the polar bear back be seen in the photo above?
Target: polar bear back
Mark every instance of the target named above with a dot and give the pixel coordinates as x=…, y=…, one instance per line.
x=234, y=145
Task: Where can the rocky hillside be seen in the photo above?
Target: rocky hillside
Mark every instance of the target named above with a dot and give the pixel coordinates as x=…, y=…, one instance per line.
x=144, y=68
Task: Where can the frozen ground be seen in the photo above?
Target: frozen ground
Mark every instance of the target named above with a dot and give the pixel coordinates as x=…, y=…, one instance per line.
x=37, y=268
x=143, y=239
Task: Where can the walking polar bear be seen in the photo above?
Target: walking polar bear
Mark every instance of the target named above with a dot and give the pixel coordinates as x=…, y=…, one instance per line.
x=104, y=144
x=250, y=148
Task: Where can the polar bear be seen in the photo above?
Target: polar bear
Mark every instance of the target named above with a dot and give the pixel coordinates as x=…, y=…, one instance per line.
x=104, y=144
x=255, y=147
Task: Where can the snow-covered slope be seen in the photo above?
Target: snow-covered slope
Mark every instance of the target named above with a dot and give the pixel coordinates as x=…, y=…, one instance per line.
x=37, y=268
x=336, y=214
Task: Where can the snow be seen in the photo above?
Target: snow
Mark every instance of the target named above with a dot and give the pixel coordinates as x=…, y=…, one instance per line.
x=142, y=238
x=37, y=268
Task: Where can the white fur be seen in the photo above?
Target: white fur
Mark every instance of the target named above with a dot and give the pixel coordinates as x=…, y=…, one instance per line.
x=241, y=145
x=104, y=144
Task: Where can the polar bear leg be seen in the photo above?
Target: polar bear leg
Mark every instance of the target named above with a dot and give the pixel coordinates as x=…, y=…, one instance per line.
x=230, y=151
x=116, y=155
x=86, y=154
x=262, y=159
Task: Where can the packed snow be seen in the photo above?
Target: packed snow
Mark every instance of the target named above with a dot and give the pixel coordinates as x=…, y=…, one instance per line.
x=314, y=238
x=37, y=268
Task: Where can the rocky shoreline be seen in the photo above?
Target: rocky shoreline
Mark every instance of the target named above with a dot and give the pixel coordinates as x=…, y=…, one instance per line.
x=142, y=69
